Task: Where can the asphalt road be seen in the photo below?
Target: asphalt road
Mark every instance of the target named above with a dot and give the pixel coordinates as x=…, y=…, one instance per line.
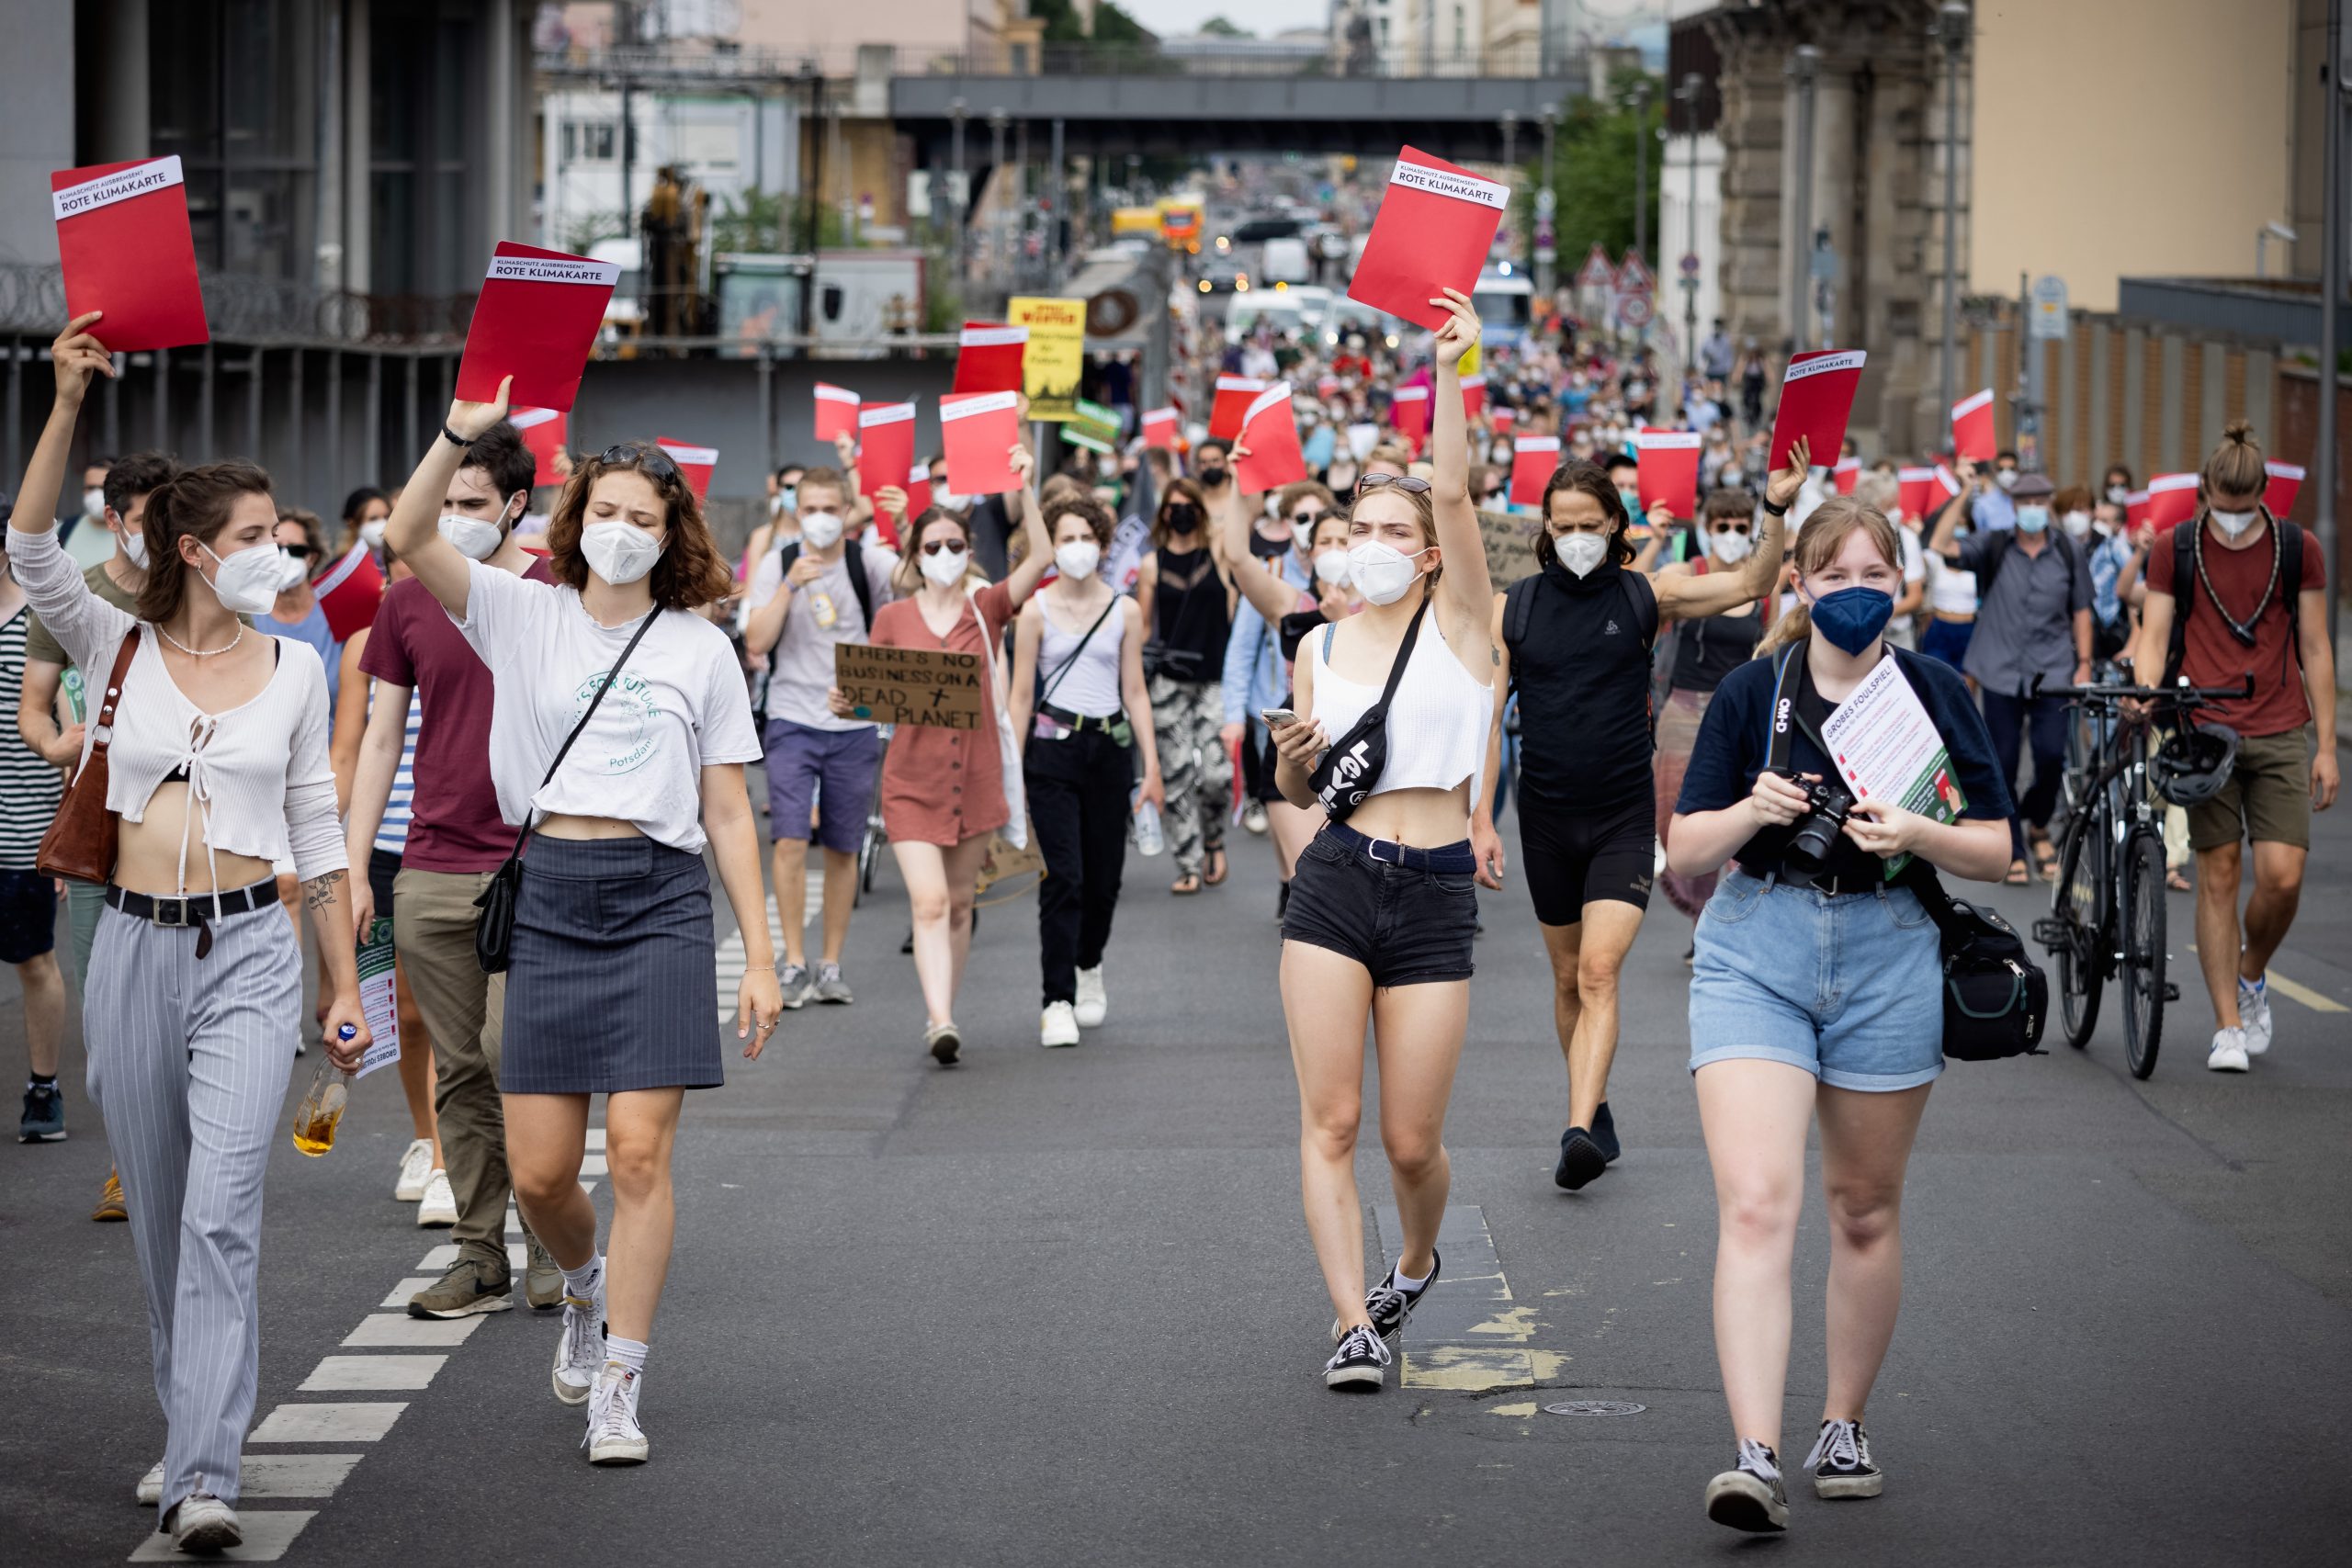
x=1057, y=1307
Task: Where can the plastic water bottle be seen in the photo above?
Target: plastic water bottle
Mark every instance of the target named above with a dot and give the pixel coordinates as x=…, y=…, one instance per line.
x=324, y=1105
x=1148, y=838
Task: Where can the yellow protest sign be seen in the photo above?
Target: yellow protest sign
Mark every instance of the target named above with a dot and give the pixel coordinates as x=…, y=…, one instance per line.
x=1056, y=355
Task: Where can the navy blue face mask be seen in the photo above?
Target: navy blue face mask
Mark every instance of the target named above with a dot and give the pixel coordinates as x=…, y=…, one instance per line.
x=1852, y=618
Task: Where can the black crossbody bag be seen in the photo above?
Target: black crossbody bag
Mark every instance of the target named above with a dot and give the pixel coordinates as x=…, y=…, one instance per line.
x=1346, y=773
x=1995, y=997
x=494, y=931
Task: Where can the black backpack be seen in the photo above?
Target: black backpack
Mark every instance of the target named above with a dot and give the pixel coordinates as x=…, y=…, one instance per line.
x=1997, y=548
x=854, y=560
x=2185, y=583
x=1519, y=609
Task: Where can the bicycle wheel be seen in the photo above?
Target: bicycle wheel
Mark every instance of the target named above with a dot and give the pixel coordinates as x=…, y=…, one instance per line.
x=2075, y=906
x=2142, y=973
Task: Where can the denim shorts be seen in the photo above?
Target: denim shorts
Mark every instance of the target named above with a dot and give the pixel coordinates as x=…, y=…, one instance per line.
x=1407, y=924
x=1848, y=987
x=802, y=761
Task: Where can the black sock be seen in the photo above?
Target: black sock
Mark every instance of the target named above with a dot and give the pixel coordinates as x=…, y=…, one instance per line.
x=38, y=1081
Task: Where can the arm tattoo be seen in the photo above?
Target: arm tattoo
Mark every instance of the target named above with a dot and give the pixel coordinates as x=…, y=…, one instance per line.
x=1495, y=654
x=318, y=892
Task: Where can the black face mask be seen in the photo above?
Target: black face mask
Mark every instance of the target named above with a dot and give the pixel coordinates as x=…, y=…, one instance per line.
x=1211, y=478
x=1267, y=549
x=1181, y=517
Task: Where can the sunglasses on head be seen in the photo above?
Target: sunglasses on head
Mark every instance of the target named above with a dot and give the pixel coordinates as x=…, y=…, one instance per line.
x=633, y=455
x=1405, y=482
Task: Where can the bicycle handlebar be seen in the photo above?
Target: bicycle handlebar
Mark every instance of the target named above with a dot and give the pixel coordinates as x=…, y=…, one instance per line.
x=2184, y=696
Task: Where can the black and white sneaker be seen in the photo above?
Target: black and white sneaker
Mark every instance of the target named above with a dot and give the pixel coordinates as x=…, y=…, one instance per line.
x=1361, y=1361
x=1389, y=1306
x=1840, y=1463
x=1750, y=1496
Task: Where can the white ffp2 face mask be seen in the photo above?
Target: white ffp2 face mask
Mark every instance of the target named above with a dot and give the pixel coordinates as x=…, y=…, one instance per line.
x=1732, y=548
x=1382, y=573
x=1077, y=559
x=372, y=534
x=248, y=580
x=94, y=504
x=1331, y=567
x=821, y=530
x=134, y=548
x=475, y=539
x=2233, y=523
x=944, y=568
x=291, y=569
x=618, y=552
x=1580, y=553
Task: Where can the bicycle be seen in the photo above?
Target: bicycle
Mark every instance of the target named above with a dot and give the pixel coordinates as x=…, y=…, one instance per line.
x=2107, y=916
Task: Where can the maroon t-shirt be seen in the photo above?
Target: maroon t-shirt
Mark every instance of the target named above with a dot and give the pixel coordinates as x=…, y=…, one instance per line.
x=454, y=823
x=2212, y=657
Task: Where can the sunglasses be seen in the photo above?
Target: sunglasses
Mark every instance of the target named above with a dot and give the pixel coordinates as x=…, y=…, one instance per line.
x=935, y=546
x=1727, y=528
x=1405, y=482
x=1306, y=519
x=636, y=455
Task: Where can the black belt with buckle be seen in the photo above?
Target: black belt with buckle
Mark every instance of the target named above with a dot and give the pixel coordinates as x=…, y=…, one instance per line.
x=1787, y=875
x=198, y=910
x=1104, y=722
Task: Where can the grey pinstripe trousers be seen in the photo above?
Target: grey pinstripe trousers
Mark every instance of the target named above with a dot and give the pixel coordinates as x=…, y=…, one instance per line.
x=188, y=1064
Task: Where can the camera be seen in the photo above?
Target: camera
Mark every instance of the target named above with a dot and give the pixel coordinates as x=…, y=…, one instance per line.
x=1814, y=834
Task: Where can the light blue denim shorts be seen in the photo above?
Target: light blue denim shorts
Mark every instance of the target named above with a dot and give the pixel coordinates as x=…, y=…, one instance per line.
x=1848, y=987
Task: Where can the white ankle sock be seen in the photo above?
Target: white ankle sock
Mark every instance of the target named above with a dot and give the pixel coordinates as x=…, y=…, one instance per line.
x=587, y=1282
x=1409, y=1285
x=629, y=1353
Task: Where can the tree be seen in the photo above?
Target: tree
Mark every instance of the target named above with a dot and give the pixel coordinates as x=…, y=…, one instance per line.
x=1218, y=26
x=1592, y=181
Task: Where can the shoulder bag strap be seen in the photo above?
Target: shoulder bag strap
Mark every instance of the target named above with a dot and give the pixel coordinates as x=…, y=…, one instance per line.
x=854, y=556
x=565, y=750
x=102, y=731
x=1782, y=716
x=1378, y=712
x=1054, y=680
x=2184, y=593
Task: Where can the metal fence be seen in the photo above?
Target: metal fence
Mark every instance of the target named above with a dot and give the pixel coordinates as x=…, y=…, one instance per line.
x=752, y=69
x=242, y=308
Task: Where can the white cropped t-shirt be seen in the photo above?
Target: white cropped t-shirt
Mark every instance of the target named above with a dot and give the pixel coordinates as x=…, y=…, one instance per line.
x=1438, y=725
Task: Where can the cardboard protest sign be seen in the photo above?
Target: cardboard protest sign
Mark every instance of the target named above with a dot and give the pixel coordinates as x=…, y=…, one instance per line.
x=1510, y=545
x=2172, y=500
x=1094, y=426
x=911, y=685
x=1234, y=396
x=1269, y=433
x=2285, y=481
x=1054, y=357
x=1159, y=429
x=1665, y=468
x=836, y=411
x=978, y=431
x=695, y=462
x=1534, y=459
x=1436, y=223
x=1408, y=411
x=1817, y=400
x=886, y=437
x=536, y=319
x=542, y=431
x=988, y=356
x=1971, y=427
x=125, y=248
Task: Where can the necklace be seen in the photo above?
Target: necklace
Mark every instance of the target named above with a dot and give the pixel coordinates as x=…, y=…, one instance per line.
x=2242, y=630
x=202, y=652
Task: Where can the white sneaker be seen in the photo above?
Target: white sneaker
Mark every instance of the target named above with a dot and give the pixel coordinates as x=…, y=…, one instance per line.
x=580, y=1351
x=437, y=1209
x=2229, y=1052
x=1093, y=1001
x=2254, y=1017
x=416, y=1169
x=1059, y=1026
x=613, y=1437
x=1254, y=816
x=202, y=1523
x=150, y=1487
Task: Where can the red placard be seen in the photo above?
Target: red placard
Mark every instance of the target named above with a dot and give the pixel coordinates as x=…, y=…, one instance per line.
x=1847, y=475
x=1409, y=411
x=1971, y=427
x=535, y=320
x=836, y=412
x=542, y=431
x=2172, y=500
x=988, y=356
x=123, y=241
x=350, y=591
x=695, y=462
x=1234, y=396
x=2135, y=509
x=978, y=431
x=1436, y=223
x=2285, y=481
x=1474, y=396
x=1817, y=399
x=886, y=439
x=1914, y=491
x=1159, y=429
x=1269, y=433
x=1665, y=468
x=1327, y=386
x=1501, y=419
x=918, y=493
x=1534, y=459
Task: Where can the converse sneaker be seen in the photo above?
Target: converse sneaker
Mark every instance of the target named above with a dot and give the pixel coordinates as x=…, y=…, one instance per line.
x=1094, y=1003
x=1840, y=1463
x=201, y=1522
x=831, y=988
x=1388, y=1305
x=416, y=1169
x=44, y=1118
x=580, y=1351
x=795, y=981
x=436, y=1208
x=943, y=1040
x=1059, y=1026
x=2229, y=1052
x=474, y=1283
x=150, y=1491
x=1361, y=1361
x=1580, y=1159
x=613, y=1437
x=1749, y=1496
x=2253, y=1014
x=542, y=1280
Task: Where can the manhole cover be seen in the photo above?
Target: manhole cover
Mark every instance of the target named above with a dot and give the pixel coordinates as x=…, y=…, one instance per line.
x=1596, y=1407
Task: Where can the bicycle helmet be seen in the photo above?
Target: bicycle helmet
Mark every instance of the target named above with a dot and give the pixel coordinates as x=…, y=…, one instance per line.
x=2192, y=765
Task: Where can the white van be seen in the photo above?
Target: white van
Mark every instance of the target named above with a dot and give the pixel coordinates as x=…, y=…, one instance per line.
x=1285, y=260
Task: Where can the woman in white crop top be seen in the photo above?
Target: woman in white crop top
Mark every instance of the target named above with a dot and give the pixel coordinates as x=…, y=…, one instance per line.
x=216, y=767
x=608, y=983
x=1384, y=905
x=1079, y=702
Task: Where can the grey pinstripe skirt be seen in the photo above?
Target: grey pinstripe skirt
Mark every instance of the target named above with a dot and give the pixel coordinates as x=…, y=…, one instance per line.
x=613, y=983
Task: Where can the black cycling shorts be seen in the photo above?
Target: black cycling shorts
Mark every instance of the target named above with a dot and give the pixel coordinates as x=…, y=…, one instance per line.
x=1571, y=859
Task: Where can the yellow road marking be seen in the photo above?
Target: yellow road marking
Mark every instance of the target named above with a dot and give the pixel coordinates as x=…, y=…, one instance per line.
x=2295, y=990
x=1474, y=1369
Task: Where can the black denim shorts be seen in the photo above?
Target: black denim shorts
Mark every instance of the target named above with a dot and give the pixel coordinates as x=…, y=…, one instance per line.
x=1407, y=915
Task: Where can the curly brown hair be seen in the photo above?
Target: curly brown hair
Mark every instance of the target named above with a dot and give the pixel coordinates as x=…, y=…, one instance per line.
x=193, y=503
x=1082, y=504
x=690, y=574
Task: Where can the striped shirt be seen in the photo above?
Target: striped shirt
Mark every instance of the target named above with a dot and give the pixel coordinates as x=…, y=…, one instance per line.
x=30, y=786
x=391, y=833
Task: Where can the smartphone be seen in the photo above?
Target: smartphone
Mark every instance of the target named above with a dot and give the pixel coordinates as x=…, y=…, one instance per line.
x=1277, y=718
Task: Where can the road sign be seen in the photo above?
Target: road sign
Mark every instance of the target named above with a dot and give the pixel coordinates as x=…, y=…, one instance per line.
x=1544, y=202
x=1633, y=311
x=1689, y=263
x=1544, y=237
x=2048, y=319
x=1634, y=278
x=1596, y=273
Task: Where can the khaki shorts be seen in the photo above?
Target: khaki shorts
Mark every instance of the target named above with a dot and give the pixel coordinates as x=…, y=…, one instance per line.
x=2267, y=799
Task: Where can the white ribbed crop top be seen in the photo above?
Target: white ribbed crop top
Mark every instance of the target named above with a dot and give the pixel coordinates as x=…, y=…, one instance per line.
x=1438, y=724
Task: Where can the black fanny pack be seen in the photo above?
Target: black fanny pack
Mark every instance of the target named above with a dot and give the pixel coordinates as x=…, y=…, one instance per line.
x=1347, y=773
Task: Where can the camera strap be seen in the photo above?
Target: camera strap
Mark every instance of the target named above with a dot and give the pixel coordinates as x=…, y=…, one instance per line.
x=1792, y=693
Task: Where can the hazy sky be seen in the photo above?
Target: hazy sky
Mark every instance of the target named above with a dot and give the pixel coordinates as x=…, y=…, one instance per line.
x=1169, y=18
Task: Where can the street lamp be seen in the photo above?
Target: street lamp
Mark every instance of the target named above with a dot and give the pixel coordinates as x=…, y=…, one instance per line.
x=1510, y=139
x=1951, y=30
x=2330, y=289
x=1689, y=92
x=958, y=109
x=1805, y=65
x=1546, y=251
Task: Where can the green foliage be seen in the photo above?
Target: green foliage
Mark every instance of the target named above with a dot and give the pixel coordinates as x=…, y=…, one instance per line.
x=1063, y=25
x=766, y=223
x=1592, y=173
x=1218, y=26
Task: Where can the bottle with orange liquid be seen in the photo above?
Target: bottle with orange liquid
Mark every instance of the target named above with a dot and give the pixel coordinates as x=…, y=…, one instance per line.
x=322, y=1107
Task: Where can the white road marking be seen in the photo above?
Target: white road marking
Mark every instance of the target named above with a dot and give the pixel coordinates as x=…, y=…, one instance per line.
x=340, y=1374
x=268, y=1532
x=325, y=1423
x=440, y=1257
x=294, y=1475
x=384, y=1328
x=595, y=1137
x=405, y=1288
x=593, y=1165
x=730, y=952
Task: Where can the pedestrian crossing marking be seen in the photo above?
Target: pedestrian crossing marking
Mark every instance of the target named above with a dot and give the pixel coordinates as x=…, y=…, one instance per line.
x=380, y=1329
x=732, y=957
x=438, y=1261
x=338, y=1374
x=294, y=1475
x=268, y=1532
x=405, y=1288
x=325, y=1423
